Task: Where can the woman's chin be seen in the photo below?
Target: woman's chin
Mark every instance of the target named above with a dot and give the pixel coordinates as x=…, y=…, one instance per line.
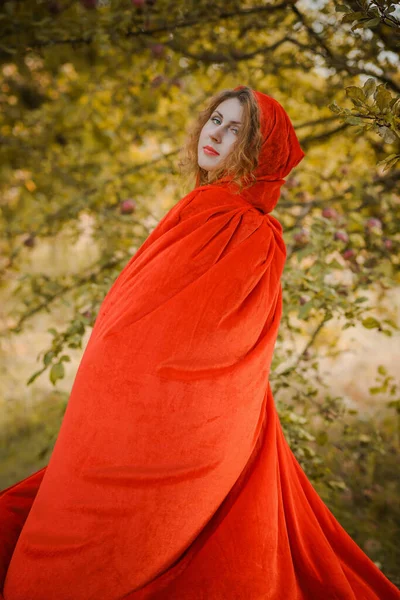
x=203, y=166
x=207, y=165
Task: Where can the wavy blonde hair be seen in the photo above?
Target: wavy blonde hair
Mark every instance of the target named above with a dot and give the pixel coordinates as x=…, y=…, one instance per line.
x=243, y=158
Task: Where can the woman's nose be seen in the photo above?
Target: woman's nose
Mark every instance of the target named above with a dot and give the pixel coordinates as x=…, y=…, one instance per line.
x=216, y=135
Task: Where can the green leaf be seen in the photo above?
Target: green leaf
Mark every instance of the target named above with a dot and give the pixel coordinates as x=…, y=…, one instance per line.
x=370, y=323
x=388, y=135
x=390, y=163
x=339, y=485
x=352, y=16
x=387, y=332
x=57, y=372
x=375, y=390
x=34, y=376
x=382, y=97
x=48, y=357
x=395, y=106
x=369, y=87
x=321, y=438
x=391, y=323
x=342, y=8
x=354, y=120
x=354, y=91
x=334, y=107
x=371, y=22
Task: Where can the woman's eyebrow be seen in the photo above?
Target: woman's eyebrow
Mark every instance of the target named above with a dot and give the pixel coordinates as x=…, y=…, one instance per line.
x=221, y=115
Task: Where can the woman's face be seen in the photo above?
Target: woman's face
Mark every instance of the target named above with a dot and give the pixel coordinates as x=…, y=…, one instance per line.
x=219, y=133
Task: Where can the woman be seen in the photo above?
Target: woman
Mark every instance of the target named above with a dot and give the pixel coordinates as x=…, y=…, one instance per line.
x=171, y=477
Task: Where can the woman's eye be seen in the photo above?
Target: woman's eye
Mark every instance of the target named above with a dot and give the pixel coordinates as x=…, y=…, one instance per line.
x=235, y=129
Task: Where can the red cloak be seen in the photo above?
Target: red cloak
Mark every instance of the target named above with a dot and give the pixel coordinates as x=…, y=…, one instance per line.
x=171, y=477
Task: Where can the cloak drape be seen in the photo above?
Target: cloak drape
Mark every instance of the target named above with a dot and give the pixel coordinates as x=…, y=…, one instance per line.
x=171, y=477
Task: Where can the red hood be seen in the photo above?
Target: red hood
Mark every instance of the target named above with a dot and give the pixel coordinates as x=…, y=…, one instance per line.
x=280, y=153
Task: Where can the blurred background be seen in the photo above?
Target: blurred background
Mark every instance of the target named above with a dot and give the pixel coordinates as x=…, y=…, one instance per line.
x=96, y=97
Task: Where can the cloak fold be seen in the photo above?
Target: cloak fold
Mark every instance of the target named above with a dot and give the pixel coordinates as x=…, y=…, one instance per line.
x=171, y=478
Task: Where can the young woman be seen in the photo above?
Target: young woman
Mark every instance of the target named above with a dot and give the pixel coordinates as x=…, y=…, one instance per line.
x=171, y=477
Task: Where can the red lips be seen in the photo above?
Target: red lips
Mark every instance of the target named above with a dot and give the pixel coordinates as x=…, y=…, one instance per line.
x=211, y=150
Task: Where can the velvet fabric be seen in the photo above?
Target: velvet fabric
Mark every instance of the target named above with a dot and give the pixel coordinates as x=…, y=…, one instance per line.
x=171, y=477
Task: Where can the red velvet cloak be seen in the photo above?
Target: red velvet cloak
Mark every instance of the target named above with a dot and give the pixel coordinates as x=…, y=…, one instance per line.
x=171, y=477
